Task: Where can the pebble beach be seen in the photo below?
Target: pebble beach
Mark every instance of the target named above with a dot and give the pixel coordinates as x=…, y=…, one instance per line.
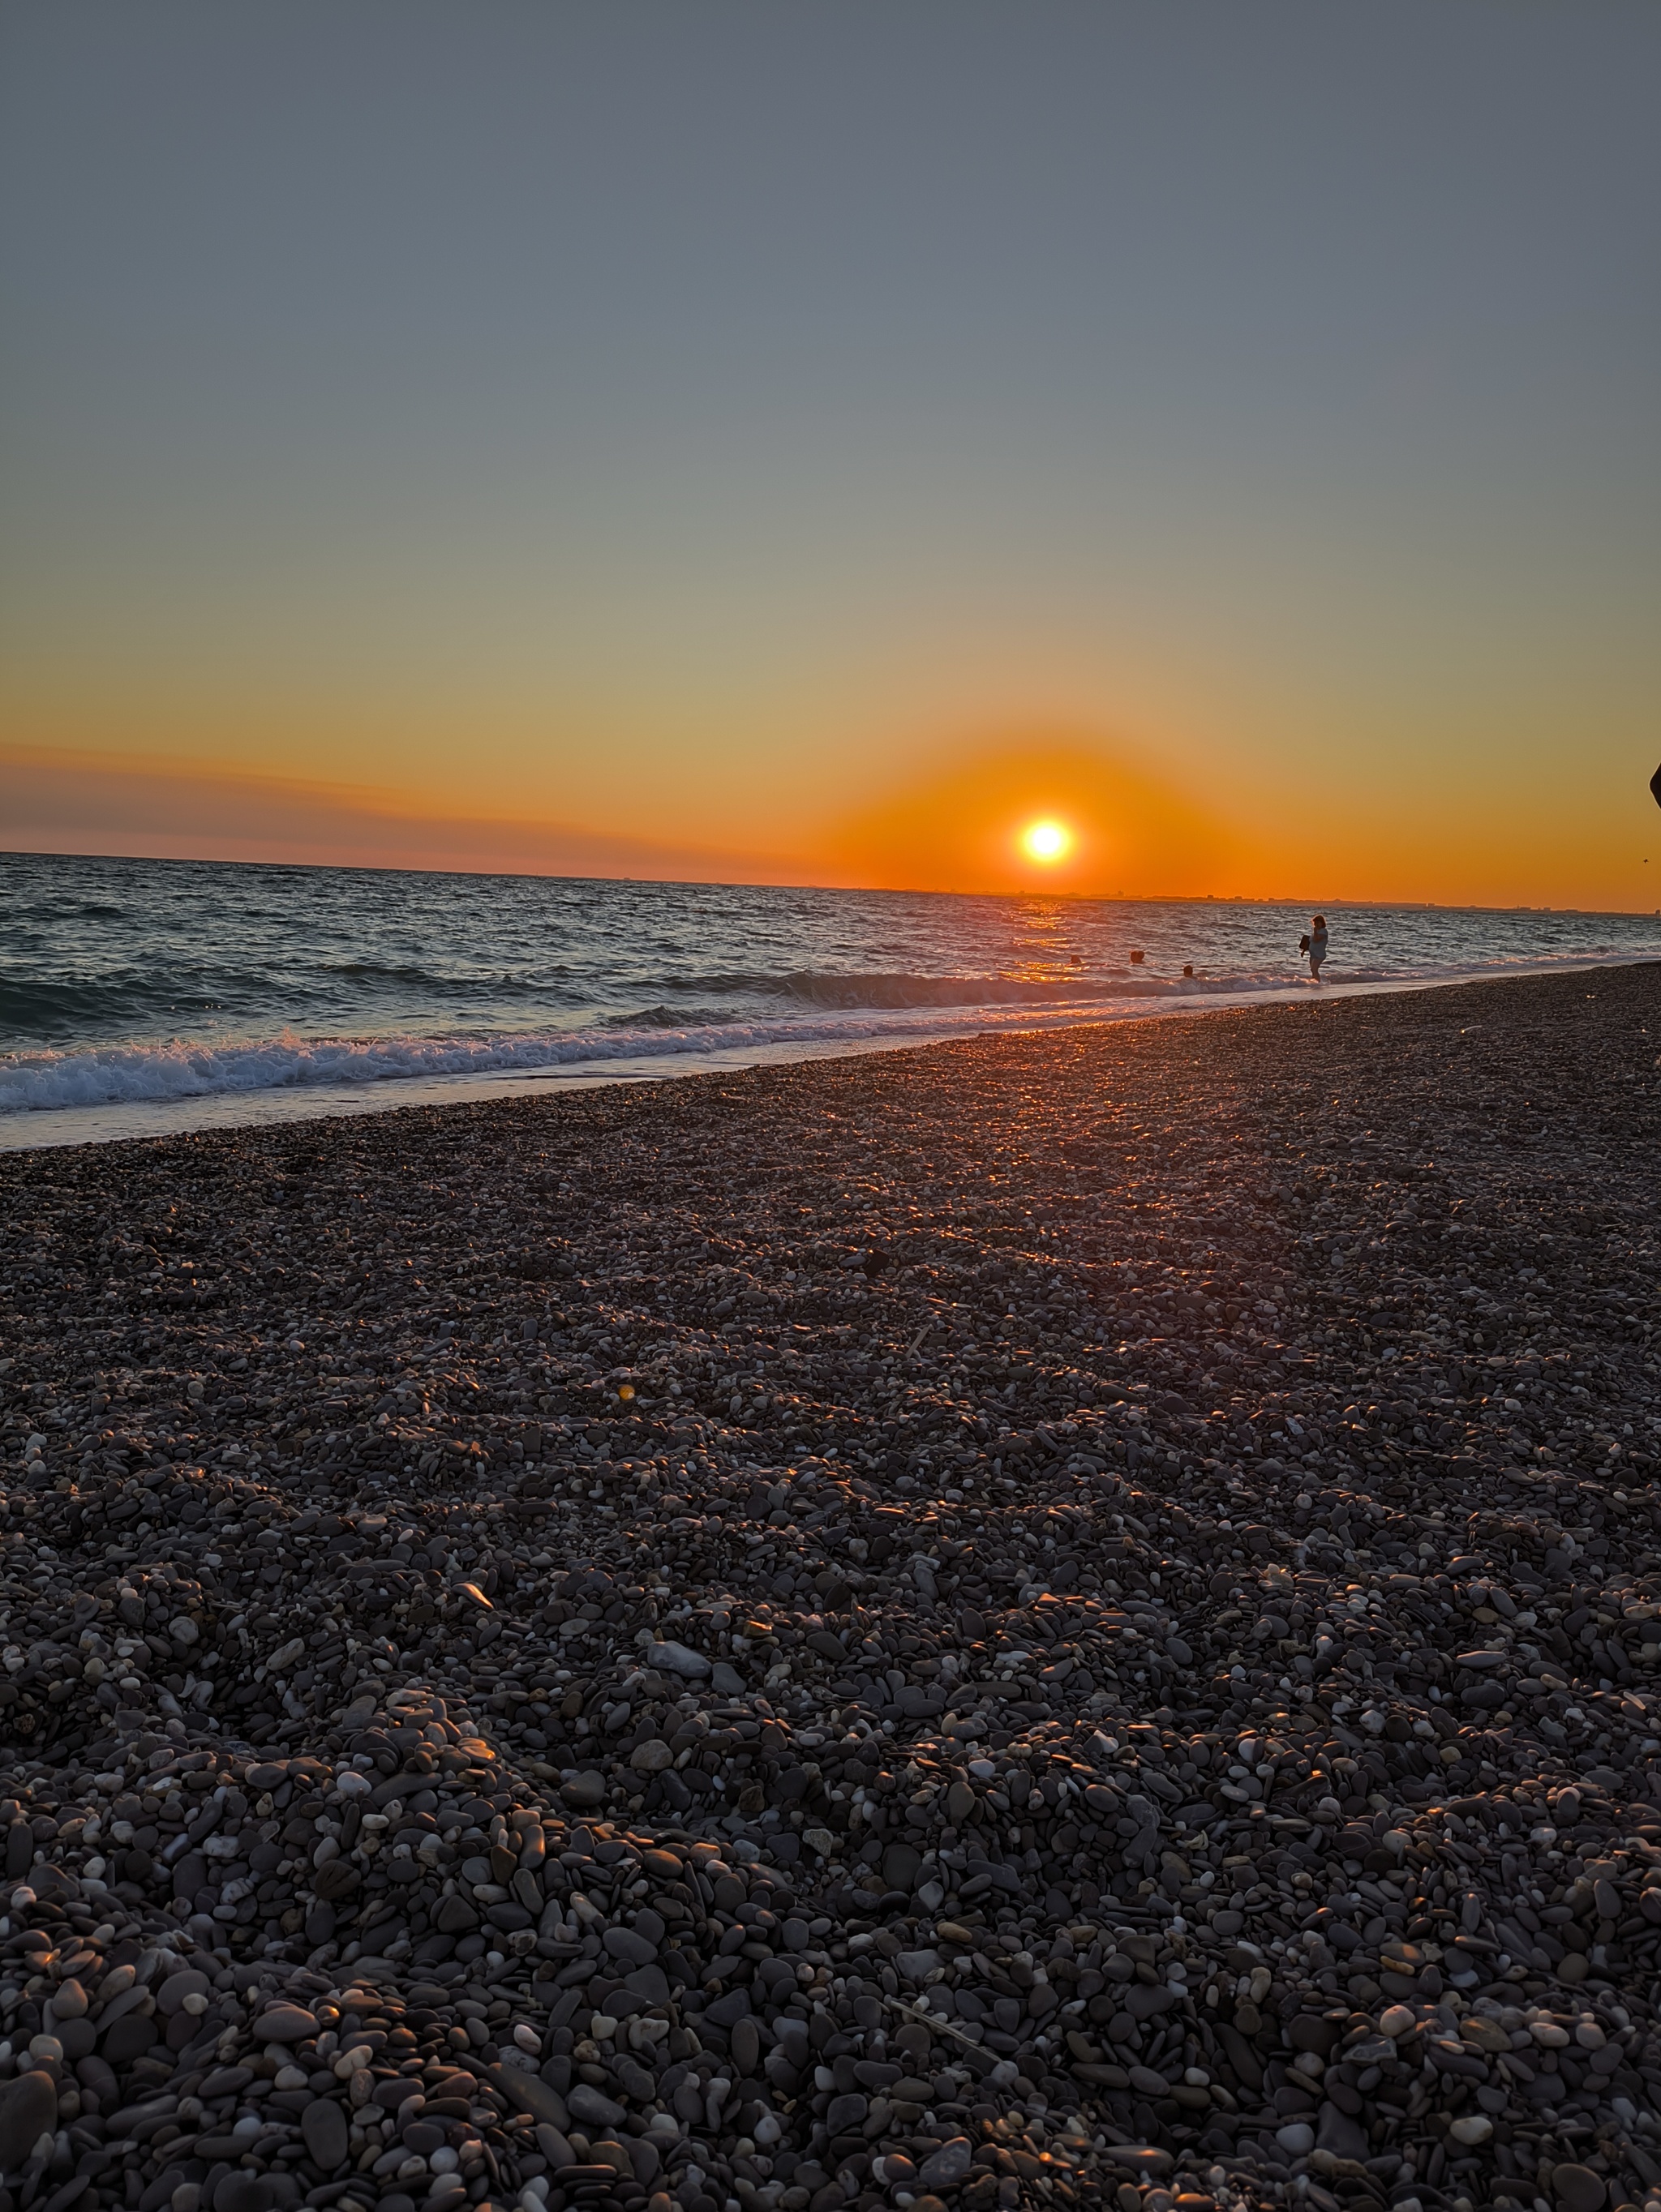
x=1057, y=1619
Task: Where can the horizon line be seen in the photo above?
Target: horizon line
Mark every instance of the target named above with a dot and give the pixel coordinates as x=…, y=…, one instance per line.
x=859, y=891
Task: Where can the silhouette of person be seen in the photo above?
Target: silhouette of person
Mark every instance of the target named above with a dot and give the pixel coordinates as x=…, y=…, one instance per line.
x=1316, y=945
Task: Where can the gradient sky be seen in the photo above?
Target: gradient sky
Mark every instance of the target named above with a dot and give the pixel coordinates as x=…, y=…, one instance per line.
x=773, y=438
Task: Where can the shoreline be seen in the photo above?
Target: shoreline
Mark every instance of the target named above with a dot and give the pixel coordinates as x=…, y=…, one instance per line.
x=127, y=1121
x=1089, y=1585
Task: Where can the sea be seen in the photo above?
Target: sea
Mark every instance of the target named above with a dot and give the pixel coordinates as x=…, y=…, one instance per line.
x=140, y=997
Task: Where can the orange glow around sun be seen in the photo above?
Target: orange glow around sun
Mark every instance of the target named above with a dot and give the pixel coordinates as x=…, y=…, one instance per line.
x=1026, y=811
x=1046, y=841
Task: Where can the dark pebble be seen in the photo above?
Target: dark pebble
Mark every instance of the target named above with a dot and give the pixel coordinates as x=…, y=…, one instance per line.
x=1577, y=2188
x=243, y=2192
x=323, y=2123
x=28, y=2110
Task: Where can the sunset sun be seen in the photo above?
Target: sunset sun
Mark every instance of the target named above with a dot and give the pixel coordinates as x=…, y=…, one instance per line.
x=1046, y=840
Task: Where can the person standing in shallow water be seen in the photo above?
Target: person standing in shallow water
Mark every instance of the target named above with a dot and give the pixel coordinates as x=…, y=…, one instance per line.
x=1316, y=945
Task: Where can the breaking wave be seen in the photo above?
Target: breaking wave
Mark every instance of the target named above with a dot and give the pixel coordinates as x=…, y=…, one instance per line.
x=853, y=1008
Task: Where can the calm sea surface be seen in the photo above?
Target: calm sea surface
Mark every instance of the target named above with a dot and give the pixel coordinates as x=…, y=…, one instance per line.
x=140, y=995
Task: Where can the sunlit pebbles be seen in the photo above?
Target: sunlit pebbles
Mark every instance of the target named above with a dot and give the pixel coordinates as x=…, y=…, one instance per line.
x=1108, y=1647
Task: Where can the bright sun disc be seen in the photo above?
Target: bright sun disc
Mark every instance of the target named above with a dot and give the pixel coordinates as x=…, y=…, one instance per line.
x=1045, y=840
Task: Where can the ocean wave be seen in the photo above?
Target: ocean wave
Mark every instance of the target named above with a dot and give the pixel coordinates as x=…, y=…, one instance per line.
x=684, y=1019
x=153, y=1074
x=70, y=1002
x=903, y=990
x=872, y=1007
x=54, y=1009
x=330, y=974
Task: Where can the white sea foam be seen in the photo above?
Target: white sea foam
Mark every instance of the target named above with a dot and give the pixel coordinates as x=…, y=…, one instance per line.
x=155, y=1075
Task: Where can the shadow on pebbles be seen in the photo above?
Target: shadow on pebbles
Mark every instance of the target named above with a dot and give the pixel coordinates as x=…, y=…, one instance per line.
x=1061, y=1620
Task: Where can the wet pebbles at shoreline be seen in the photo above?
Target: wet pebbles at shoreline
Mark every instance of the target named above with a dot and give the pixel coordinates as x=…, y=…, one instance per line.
x=1032, y=1620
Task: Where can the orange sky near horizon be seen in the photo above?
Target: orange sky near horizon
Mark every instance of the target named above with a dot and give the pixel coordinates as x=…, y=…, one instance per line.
x=961, y=826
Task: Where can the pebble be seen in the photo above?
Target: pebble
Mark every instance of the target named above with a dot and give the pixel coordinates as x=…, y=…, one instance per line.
x=1577, y=2188
x=28, y=2110
x=1038, y=1621
x=328, y=2139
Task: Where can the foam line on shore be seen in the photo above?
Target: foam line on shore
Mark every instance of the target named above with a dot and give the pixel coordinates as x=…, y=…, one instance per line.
x=94, y=1097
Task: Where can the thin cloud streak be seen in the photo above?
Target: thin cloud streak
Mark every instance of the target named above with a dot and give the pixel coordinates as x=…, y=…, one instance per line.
x=59, y=802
